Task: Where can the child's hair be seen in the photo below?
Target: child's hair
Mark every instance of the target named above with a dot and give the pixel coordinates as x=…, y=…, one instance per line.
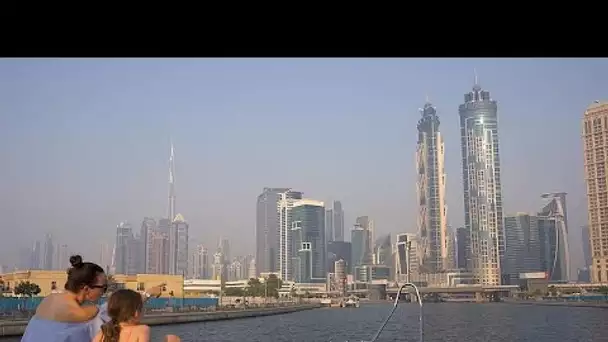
x=122, y=307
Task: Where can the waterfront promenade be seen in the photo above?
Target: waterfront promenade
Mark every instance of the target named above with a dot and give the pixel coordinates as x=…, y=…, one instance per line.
x=16, y=328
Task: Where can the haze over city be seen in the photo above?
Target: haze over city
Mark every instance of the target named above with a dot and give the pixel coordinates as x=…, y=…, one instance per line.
x=85, y=143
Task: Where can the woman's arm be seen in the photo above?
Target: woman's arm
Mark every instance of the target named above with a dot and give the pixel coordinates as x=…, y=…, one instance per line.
x=76, y=313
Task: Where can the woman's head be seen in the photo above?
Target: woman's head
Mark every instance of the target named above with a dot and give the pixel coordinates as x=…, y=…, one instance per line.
x=86, y=279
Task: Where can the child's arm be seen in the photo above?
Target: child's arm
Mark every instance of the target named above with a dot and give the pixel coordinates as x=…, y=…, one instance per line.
x=143, y=333
x=97, y=337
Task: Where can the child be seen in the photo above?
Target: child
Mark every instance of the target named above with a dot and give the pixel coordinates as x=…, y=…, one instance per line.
x=124, y=309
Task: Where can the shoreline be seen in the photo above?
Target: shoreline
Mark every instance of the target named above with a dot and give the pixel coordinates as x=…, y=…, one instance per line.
x=17, y=328
x=564, y=304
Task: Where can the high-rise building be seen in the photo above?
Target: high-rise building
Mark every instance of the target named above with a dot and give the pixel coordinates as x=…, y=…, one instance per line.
x=199, y=263
x=432, y=221
x=218, y=267
x=159, y=253
x=251, y=271
x=406, y=257
x=36, y=257
x=340, y=276
x=308, y=242
x=523, y=246
x=63, y=257
x=148, y=226
x=224, y=248
x=329, y=225
x=178, y=244
x=49, y=252
x=338, y=250
x=286, y=251
x=383, y=249
x=483, y=215
x=338, y=222
x=267, y=230
x=462, y=247
x=171, y=210
x=367, y=224
x=105, y=256
x=586, y=246
x=595, y=140
x=124, y=236
x=361, y=250
x=553, y=227
x=334, y=223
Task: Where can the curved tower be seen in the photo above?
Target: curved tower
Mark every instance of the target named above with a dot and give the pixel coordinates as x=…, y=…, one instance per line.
x=483, y=214
x=432, y=225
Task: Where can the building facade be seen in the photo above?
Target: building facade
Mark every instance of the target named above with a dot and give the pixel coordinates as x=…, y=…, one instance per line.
x=595, y=144
x=286, y=251
x=481, y=172
x=432, y=210
x=309, y=252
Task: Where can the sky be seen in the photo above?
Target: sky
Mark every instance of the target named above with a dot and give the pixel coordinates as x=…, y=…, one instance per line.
x=84, y=143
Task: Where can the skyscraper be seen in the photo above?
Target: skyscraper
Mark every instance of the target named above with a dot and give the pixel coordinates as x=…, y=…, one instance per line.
x=523, y=246
x=273, y=228
x=361, y=251
x=179, y=246
x=267, y=230
x=586, y=246
x=286, y=251
x=462, y=247
x=49, y=252
x=595, y=140
x=124, y=235
x=308, y=242
x=554, y=231
x=432, y=221
x=338, y=222
x=483, y=215
x=329, y=225
x=148, y=226
x=171, y=211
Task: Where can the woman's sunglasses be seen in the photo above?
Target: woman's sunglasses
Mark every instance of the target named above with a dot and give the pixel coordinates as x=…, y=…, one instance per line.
x=103, y=288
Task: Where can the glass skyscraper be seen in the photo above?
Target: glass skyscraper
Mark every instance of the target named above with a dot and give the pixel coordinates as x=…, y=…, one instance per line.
x=483, y=212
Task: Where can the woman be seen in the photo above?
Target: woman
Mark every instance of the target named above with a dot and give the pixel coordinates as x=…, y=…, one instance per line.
x=61, y=317
x=124, y=309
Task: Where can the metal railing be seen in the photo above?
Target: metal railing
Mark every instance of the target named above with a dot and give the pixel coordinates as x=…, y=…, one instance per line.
x=420, y=315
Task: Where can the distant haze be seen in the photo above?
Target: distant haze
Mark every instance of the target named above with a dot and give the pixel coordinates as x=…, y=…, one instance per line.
x=84, y=144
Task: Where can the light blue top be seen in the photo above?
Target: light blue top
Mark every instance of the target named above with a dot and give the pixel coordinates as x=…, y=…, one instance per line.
x=43, y=330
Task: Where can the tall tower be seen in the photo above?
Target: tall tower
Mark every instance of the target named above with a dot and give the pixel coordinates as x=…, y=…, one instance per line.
x=595, y=140
x=432, y=225
x=483, y=214
x=172, y=184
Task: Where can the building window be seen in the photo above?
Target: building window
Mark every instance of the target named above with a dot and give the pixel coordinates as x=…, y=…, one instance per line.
x=140, y=287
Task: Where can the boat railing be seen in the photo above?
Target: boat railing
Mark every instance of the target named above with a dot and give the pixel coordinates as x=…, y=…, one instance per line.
x=420, y=314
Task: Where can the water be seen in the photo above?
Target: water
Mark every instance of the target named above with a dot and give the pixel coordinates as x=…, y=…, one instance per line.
x=445, y=322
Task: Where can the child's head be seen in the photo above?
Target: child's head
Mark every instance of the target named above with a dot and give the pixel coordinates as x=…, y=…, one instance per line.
x=124, y=306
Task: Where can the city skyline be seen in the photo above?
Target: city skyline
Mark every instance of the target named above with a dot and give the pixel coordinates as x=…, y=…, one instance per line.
x=382, y=185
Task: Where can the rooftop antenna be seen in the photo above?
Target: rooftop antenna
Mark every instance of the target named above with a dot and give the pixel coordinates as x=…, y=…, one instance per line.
x=476, y=77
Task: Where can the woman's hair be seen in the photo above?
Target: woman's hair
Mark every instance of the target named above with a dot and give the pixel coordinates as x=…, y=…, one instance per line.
x=81, y=274
x=122, y=307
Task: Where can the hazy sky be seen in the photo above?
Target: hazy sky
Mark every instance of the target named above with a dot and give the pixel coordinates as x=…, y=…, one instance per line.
x=84, y=144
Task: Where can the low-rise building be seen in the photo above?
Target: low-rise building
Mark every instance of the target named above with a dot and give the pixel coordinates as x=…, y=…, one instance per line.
x=54, y=281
